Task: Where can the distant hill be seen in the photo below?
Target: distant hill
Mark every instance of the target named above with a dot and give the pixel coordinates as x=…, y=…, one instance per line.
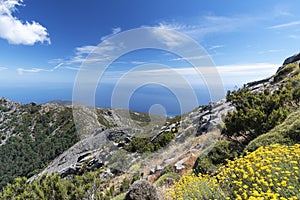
x=60, y=102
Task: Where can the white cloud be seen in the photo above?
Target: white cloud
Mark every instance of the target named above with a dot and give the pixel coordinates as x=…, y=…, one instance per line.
x=17, y=32
x=73, y=68
x=250, y=70
x=215, y=47
x=113, y=32
x=36, y=70
x=169, y=38
x=191, y=58
x=56, y=67
x=208, y=24
x=137, y=62
x=3, y=68
x=162, y=32
x=293, y=23
x=116, y=30
x=271, y=51
x=236, y=74
x=282, y=10
x=85, y=49
x=33, y=70
x=81, y=53
x=294, y=36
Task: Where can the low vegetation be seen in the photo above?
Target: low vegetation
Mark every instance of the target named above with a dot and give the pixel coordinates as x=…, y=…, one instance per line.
x=266, y=123
x=257, y=113
x=144, y=144
x=54, y=187
x=270, y=172
x=287, y=133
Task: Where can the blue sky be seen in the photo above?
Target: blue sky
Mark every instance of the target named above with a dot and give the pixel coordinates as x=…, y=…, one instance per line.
x=42, y=43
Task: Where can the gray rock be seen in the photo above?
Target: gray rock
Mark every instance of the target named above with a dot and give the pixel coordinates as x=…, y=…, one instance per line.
x=291, y=59
x=179, y=165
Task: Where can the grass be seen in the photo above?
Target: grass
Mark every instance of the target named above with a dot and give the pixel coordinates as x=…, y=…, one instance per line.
x=120, y=197
x=282, y=74
x=161, y=179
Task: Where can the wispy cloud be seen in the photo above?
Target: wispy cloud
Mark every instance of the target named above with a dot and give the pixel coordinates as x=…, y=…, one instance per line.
x=169, y=38
x=137, y=62
x=191, y=58
x=72, y=68
x=285, y=25
x=116, y=30
x=16, y=31
x=36, y=70
x=271, y=51
x=3, y=68
x=32, y=70
x=261, y=70
x=85, y=49
x=205, y=25
x=81, y=53
x=294, y=36
x=216, y=47
x=236, y=74
x=113, y=32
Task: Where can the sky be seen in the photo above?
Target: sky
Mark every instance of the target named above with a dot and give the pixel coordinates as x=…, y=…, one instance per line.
x=43, y=43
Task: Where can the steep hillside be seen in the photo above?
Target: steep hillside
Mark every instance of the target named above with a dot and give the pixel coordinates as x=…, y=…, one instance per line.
x=259, y=107
x=31, y=135
x=105, y=161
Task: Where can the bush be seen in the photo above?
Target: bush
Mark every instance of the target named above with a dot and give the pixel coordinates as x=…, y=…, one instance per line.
x=143, y=145
x=52, y=186
x=220, y=152
x=142, y=190
x=287, y=133
x=270, y=172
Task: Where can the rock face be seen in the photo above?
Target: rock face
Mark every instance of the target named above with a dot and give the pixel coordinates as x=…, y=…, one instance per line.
x=142, y=190
x=88, y=154
x=104, y=146
x=212, y=115
x=292, y=59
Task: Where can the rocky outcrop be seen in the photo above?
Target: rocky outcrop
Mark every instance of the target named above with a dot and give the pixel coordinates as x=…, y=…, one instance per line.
x=88, y=154
x=212, y=115
x=292, y=59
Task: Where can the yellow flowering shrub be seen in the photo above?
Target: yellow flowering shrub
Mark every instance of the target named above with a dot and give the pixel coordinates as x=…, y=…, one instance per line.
x=195, y=187
x=270, y=172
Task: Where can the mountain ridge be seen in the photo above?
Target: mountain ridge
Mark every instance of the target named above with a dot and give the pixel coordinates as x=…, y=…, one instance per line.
x=193, y=137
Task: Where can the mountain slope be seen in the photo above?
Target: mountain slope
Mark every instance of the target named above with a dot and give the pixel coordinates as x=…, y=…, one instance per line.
x=208, y=134
x=31, y=136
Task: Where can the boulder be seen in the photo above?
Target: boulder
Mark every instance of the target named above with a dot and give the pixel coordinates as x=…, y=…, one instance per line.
x=142, y=190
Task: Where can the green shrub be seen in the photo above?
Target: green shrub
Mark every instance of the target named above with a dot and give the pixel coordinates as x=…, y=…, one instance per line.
x=287, y=133
x=216, y=156
x=144, y=144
